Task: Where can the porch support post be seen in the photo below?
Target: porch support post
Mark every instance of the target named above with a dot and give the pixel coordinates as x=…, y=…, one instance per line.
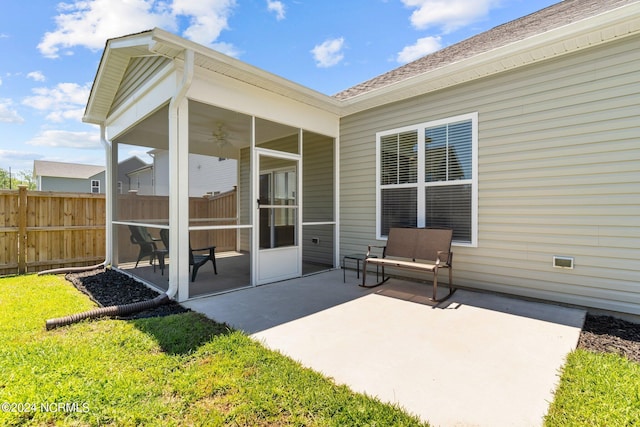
x=336, y=201
x=254, y=194
x=111, y=156
x=179, y=185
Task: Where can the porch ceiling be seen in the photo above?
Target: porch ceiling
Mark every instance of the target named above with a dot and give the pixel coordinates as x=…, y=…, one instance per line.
x=153, y=131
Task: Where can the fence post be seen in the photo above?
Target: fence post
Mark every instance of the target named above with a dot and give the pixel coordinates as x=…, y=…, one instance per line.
x=22, y=229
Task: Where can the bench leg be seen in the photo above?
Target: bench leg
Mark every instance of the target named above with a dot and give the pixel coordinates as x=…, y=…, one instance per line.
x=435, y=287
x=364, y=276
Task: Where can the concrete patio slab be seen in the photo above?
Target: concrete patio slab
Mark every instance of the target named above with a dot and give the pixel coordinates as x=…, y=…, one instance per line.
x=476, y=360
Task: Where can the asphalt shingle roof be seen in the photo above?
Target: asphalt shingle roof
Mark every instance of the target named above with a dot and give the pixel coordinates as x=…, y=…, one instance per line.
x=65, y=170
x=552, y=17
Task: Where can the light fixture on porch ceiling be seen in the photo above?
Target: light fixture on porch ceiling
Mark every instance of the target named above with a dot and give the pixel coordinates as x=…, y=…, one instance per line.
x=220, y=135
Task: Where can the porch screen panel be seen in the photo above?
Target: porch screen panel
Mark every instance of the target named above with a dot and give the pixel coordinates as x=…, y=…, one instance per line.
x=318, y=247
x=318, y=178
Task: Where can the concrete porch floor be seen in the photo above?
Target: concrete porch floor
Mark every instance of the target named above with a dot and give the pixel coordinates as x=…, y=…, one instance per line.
x=477, y=359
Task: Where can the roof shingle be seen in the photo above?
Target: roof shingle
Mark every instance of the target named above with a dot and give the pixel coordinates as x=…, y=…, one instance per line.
x=552, y=17
x=65, y=170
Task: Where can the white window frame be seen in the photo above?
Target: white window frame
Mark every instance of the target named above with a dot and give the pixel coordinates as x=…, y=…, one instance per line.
x=421, y=185
x=93, y=186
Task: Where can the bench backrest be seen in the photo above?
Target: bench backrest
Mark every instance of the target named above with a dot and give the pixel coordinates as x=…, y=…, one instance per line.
x=418, y=243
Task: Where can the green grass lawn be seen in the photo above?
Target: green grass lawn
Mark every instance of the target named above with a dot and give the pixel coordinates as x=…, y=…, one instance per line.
x=597, y=390
x=176, y=370
x=187, y=370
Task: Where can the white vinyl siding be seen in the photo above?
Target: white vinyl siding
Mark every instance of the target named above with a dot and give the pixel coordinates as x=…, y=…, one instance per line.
x=558, y=175
x=139, y=71
x=427, y=177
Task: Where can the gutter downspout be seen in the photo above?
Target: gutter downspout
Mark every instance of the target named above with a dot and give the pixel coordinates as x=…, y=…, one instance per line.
x=109, y=214
x=125, y=309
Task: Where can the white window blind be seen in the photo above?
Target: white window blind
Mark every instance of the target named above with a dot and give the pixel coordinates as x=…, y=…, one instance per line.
x=426, y=177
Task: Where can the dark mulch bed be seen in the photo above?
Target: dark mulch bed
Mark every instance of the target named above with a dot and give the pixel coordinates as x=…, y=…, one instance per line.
x=107, y=287
x=605, y=334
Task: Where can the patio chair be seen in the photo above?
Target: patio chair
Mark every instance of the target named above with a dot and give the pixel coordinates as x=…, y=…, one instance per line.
x=197, y=257
x=140, y=236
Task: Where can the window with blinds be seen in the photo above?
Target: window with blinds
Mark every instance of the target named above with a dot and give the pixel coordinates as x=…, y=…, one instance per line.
x=427, y=177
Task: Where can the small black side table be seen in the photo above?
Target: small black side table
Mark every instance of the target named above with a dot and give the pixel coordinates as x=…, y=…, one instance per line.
x=160, y=254
x=357, y=258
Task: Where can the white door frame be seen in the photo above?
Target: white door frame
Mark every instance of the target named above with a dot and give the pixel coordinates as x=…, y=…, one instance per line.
x=272, y=265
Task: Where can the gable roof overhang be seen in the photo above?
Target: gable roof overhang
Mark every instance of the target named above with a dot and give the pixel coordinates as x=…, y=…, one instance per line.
x=119, y=52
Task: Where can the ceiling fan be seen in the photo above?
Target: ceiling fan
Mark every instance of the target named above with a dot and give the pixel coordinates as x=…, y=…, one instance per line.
x=220, y=135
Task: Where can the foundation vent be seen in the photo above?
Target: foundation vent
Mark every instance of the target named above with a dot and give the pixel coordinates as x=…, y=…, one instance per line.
x=563, y=262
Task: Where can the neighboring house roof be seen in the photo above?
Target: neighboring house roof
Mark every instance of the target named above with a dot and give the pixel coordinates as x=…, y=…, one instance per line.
x=145, y=168
x=132, y=164
x=547, y=19
x=65, y=170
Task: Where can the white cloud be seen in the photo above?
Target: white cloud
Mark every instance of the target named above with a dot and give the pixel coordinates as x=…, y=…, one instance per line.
x=64, y=101
x=277, y=7
x=207, y=18
x=13, y=157
x=90, y=23
x=448, y=15
x=226, y=48
x=7, y=113
x=36, y=76
x=59, y=116
x=422, y=47
x=69, y=139
x=328, y=53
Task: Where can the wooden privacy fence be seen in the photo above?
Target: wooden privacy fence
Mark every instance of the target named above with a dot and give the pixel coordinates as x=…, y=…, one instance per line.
x=218, y=210
x=45, y=230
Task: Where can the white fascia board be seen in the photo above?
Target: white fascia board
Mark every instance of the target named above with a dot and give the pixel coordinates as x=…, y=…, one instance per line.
x=119, y=51
x=168, y=44
x=615, y=24
x=216, y=89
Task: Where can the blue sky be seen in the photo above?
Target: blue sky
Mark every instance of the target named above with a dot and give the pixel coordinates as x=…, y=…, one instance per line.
x=50, y=51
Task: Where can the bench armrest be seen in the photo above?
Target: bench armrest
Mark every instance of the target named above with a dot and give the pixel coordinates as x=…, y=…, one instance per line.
x=445, y=258
x=369, y=247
